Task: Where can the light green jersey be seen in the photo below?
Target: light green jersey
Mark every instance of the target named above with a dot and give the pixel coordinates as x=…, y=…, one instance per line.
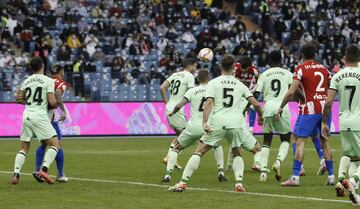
x=274, y=84
x=36, y=89
x=347, y=83
x=227, y=92
x=179, y=83
x=196, y=96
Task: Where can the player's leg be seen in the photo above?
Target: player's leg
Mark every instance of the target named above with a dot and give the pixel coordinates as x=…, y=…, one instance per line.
x=188, y=137
x=297, y=127
x=45, y=132
x=60, y=156
x=268, y=128
x=20, y=160
x=230, y=159
x=191, y=166
x=281, y=126
x=219, y=158
x=252, y=119
x=177, y=123
x=325, y=145
x=206, y=142
x=350, y=145
x=40, y=152
x=26, y=135
x=317, y=144
x=238, y=168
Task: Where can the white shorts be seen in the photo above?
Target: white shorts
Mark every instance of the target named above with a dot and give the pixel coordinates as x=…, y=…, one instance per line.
x=36, y=128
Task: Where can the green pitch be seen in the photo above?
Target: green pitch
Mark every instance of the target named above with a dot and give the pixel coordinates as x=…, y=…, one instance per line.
x=126, y=173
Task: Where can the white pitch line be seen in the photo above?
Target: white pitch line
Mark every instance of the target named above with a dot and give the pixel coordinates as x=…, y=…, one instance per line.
x=198, y=189
x=111, y=152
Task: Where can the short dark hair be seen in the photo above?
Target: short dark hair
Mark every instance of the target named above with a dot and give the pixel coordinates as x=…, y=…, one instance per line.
x=187, y=62
x=352, y=54
x=245, y=62
x=203, y=75
x=275, y=58
x=308, y=51
x=55, y=69
x=36, y=64
x=228, y=62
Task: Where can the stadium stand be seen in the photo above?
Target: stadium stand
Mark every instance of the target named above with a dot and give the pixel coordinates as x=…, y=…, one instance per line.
x=124, y=51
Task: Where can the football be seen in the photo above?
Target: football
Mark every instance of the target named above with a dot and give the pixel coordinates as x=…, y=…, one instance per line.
x=206, y=55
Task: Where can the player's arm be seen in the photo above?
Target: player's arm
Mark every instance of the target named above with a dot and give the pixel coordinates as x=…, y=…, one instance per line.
x=289, y=94
x=300, y=94
x=206, y=113
x=180, y=105
x=20, y=97
x=52, y=100
x=163, y=89
x=252, y=101
x=58, y=96
x=327, y=111
x=256, y=96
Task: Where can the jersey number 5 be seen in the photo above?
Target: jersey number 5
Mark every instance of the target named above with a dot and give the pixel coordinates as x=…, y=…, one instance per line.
x=37, y=95
x=227, y=94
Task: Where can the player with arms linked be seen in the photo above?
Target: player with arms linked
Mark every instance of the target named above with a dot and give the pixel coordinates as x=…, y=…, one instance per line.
x=314, y=80
x=37, y=92
x=221, y=118
x=347, y=84
x=57, y=74
x=178, y=84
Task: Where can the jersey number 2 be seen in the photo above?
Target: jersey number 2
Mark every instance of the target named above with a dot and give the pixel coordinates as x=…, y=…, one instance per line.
x=319, y=86
x=37, y=95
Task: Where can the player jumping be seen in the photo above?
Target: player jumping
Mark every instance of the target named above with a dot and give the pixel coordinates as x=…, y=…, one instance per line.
x=313, y=78
x=223, y=97
x=178, y=83
x=60, y=87
x=36, y=92
x=193, y=131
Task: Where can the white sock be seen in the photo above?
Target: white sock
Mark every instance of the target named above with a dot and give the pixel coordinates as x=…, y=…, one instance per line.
x=352, y=168
x=283, y=151
x=257, y=159
x=230, y=157
x=170, y=149
x=238, y=168
x=265, y=151
x=190, y=167
x=219, y=158
x=19, y=161
x=343, y=167
x=173, y=155
x=356, y=175
x=49, y=156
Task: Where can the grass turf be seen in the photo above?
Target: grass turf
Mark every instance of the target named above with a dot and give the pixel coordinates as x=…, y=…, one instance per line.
x=138, y=160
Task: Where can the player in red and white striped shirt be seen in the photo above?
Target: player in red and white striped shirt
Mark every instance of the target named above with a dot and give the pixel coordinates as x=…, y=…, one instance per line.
x=314, y=80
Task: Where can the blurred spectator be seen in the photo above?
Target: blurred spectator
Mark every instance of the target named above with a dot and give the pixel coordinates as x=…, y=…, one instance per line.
x=73, y=41
x=64, y=53
x=99, y=55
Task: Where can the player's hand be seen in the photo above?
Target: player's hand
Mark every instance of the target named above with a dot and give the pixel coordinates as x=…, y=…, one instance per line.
x=325, y=130
x=245, y=111
x=171, y=114
x=18, y=95
x=261, y=120
x=207, y=128
x=278, y=113
x=63, y=116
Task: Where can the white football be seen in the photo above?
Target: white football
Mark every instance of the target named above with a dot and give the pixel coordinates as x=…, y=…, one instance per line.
x=206, y=55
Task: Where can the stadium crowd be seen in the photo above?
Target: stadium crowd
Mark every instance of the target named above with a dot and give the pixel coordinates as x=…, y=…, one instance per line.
x=106, y=46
